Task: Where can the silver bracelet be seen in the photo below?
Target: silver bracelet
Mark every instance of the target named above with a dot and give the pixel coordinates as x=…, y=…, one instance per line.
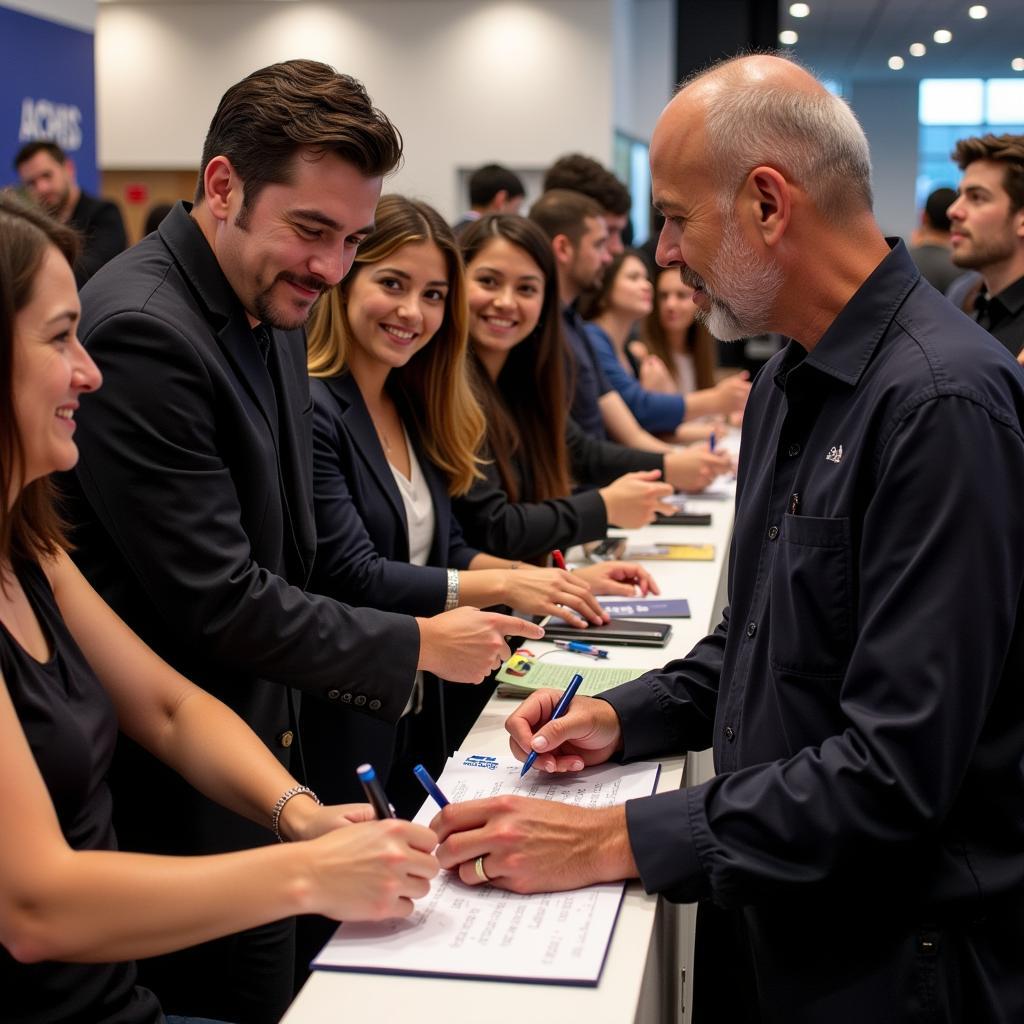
x=275, y=814
x=451, y=599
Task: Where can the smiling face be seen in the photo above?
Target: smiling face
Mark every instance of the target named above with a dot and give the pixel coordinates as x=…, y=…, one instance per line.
x=631, y=292
x=984, y=230
x=51, y=370
x=734, y=288
x=505, y=288
x=676, y=308
x=295, y=240
x=396, y=306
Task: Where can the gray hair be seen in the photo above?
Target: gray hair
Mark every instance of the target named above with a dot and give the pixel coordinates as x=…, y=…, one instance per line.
x=812, y=138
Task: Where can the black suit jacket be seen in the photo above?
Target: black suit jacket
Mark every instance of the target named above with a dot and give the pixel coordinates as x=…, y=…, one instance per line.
x=362, y=536
x=195, y=521
x=362, y=557
x=103, y=236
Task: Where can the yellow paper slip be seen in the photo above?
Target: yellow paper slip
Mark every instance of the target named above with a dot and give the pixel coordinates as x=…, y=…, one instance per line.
x=541, y=674
x=671, y=552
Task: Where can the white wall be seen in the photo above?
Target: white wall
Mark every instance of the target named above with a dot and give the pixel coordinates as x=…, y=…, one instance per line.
x=465, y=82
x=76, y=13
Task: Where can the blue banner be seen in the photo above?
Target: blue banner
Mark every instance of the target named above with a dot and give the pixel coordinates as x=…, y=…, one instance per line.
x=47, y=91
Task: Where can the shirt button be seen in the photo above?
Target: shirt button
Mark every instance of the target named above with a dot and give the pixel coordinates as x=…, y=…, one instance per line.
x=333, y=694
x=374, y=705
x=346, y=698
x=751, y=628
x=730, y=733
x=773, y=532
x=794, y=449
x=286, y=738
x=360, y=701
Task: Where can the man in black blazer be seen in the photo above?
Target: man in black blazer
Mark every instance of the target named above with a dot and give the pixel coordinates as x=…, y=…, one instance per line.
x=193, y=494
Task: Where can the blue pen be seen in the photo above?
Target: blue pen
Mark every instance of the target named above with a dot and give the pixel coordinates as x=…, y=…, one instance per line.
x=430, y=786
x=577, y=648
x=375, y=791
x=560, y=709
x=711, y=442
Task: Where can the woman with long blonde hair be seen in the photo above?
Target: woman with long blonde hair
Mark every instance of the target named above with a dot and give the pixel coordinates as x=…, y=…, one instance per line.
x=397, y=433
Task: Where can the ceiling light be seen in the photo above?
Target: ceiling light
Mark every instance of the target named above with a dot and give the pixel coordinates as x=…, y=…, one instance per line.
x=918, y=49
x=896, y=63
x=1017, y=63
x=943, y=35
x=788, y=37
x=977, y=12
x=799, y=10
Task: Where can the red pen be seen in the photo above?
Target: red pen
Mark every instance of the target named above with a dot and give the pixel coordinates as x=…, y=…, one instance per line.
x=556, y=557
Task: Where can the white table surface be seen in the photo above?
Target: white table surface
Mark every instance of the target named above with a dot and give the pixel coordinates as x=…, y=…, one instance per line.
x=630, y=974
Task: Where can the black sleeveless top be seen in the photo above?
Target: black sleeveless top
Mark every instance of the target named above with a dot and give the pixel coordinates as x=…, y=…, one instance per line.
x=71, y=727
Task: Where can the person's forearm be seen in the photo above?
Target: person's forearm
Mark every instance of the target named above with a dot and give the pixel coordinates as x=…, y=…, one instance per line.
x=487, y=581
x=99, y=906
x=706, y=402
x=214, y=750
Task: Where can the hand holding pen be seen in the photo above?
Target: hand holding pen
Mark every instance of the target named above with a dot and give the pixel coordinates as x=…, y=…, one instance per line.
x=587, y=733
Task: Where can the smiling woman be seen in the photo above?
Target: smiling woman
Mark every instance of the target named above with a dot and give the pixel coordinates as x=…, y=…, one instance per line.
x=74, y=911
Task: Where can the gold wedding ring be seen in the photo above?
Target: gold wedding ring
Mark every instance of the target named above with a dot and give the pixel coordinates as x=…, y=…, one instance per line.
x=478, y=867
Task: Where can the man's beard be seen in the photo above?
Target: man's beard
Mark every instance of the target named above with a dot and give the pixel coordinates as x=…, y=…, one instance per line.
x=751, y=287
x=986, y=252
x=268, y=314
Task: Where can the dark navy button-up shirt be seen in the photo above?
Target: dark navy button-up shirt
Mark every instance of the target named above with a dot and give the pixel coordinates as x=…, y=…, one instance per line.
x=864, y=693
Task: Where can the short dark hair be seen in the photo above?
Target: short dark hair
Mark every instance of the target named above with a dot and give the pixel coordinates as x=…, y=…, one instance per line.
x=1007, y=150
x=487, y=181
x=582, y=174
x=30, y=149
x=935, y=207
x=31, y=528
x=263, y=120
x=563, y=212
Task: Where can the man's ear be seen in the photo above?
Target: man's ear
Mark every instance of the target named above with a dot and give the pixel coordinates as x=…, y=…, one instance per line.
x=499, y=201
x=767, y=198
x=1018, y=222
x=563, y=249
x=219, y=181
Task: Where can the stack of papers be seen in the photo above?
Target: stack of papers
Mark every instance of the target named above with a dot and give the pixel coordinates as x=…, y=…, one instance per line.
x=464, y=931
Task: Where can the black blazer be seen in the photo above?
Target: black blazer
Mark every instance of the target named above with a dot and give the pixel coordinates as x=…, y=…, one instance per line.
x=531, y=529
x=362, y=553
x=195, y=521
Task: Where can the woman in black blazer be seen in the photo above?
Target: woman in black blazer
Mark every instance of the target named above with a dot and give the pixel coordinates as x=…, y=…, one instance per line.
x=396, y=431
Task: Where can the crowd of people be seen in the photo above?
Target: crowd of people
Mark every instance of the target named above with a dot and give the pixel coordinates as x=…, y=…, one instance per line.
x=311, y=444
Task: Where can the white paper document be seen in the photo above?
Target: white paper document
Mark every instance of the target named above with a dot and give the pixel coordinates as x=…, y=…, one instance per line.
x=466, y=931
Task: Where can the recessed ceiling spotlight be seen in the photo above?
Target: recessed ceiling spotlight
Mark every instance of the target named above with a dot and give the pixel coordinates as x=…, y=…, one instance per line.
x=918, y=49
x=943, y=35
x=799, y=10
x=977, y=12
x=1017, y=63
x=788, y=37
x=896, y=63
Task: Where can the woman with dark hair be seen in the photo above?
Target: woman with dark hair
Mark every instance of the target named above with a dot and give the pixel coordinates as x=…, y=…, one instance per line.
x=538, y=453
x=625, y=298
x=396, y=433
x=74, y=911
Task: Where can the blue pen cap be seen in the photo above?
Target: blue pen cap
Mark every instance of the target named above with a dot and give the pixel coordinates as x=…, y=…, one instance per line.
x=366, y=773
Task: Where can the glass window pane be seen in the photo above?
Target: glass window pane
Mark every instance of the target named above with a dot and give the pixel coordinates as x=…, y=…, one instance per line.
x=951, y=101
x=1004, y=101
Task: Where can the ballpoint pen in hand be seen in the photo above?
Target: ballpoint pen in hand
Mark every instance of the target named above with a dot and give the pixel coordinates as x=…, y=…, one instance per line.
x=375, y=792
x=560, y=709
x=430, y=785
x=558, y=558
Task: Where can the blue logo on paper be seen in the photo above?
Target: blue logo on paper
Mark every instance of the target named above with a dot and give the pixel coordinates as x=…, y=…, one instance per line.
x=480, y=761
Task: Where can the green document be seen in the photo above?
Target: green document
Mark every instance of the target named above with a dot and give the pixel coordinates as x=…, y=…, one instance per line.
x=541, y=674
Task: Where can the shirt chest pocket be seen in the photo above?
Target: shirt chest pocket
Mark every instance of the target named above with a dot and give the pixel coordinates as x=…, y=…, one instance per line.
x=812, y=612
